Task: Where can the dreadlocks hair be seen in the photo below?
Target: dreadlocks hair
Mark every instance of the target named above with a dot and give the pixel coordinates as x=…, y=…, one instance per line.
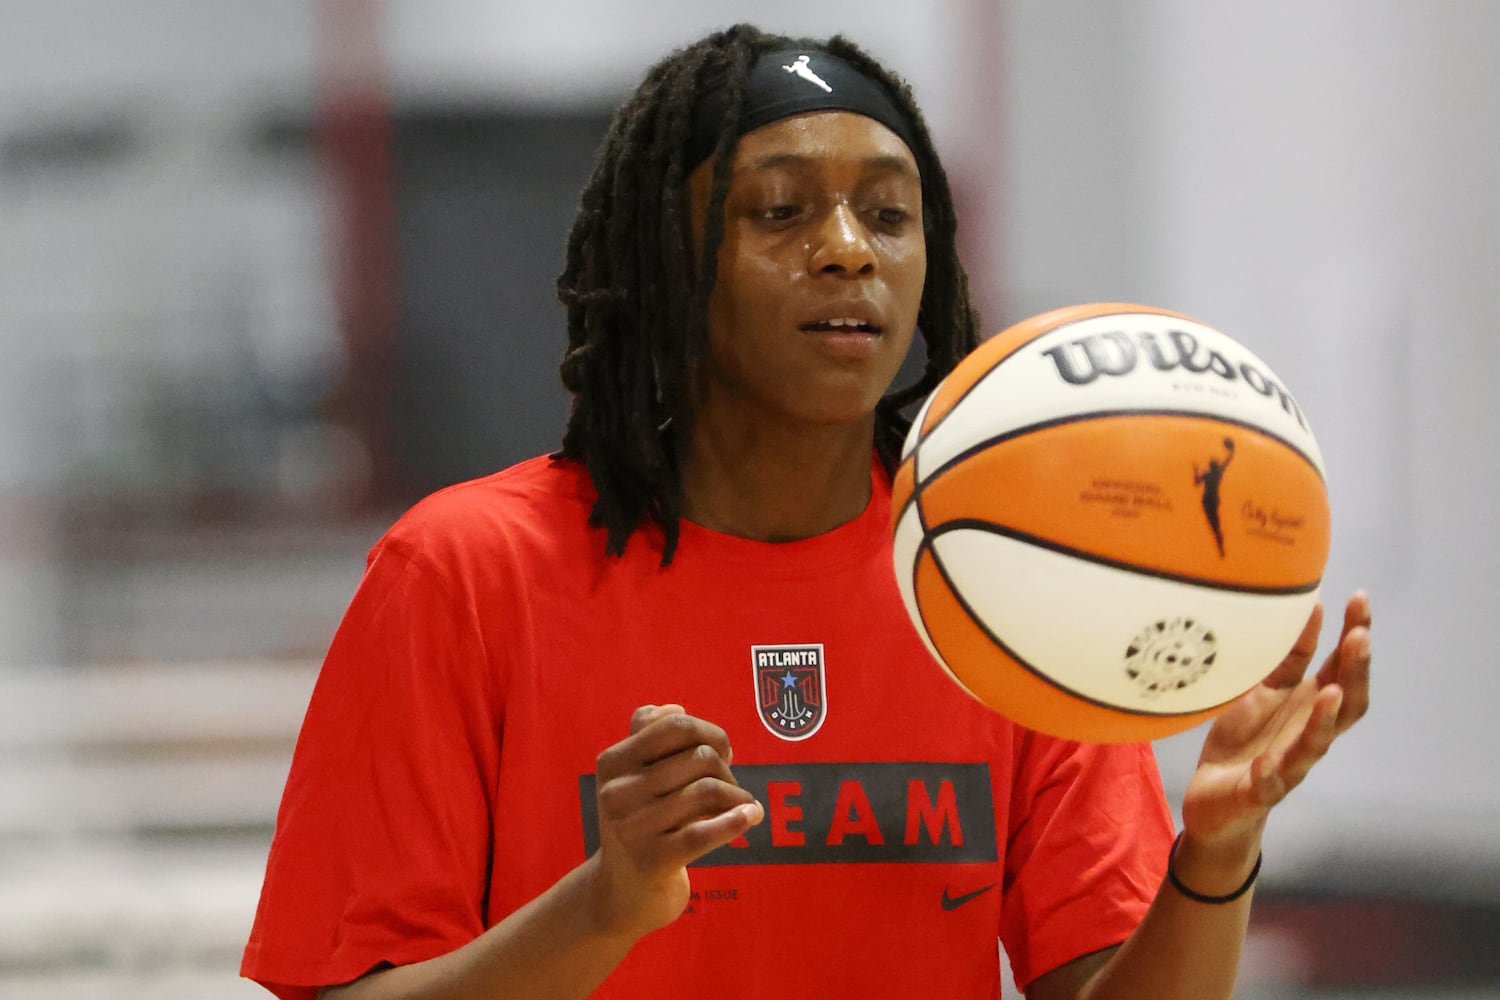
x=636, y=292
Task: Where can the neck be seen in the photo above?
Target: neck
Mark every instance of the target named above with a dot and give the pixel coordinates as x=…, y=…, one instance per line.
x=775, y=484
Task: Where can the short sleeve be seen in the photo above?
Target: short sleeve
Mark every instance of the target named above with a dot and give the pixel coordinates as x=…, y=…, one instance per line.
x=382, y=839
x=1088, y=842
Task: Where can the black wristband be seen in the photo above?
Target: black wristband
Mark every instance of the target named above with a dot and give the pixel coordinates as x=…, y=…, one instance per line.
x=1198, y=897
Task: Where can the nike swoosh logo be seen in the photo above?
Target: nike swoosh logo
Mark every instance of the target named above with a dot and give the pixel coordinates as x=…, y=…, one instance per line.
x=954, y=902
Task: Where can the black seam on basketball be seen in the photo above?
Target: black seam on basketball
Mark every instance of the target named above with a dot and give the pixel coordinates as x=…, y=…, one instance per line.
x=916, y=492
x=979, y=524
x=1082, y=418
x=1020, y=660
x=921, y=434
x=917, y=485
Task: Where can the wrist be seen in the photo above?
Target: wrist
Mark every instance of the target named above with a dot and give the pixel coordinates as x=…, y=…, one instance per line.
x=602, y=915
x=1217, y=872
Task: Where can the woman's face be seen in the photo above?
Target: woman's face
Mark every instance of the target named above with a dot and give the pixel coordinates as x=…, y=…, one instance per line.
x=820, y=271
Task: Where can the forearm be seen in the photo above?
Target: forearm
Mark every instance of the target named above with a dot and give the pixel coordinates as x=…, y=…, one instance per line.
x=552, y=948
x=1185, y=949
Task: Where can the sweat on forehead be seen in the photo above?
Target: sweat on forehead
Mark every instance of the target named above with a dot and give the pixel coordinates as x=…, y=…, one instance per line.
x=790, y=82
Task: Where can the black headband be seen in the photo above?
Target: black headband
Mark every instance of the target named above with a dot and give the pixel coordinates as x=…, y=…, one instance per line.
x=790, y=82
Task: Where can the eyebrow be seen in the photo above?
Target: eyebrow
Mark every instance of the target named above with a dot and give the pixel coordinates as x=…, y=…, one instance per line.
x=883, y=161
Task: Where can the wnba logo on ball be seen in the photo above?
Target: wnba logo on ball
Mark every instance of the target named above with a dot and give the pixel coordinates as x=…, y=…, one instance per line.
x=1115, y=353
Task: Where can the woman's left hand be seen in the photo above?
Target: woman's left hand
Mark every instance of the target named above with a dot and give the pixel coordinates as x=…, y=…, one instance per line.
x=1264, y=744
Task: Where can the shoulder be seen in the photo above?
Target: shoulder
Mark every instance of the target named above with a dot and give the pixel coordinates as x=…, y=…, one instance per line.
x=538, y=506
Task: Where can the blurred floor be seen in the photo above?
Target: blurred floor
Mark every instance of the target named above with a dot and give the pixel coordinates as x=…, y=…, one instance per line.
x=136, y=806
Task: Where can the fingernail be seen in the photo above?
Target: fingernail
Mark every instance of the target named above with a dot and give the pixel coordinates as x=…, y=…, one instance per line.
x=754, y=812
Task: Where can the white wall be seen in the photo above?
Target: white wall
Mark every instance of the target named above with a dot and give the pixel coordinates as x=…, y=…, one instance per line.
x=68, y=55
x=541, y=51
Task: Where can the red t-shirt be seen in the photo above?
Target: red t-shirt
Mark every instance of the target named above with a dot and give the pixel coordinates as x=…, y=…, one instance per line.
x=444, y=772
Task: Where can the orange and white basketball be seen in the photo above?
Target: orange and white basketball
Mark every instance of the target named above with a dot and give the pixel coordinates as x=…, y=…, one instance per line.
x=1110, y=521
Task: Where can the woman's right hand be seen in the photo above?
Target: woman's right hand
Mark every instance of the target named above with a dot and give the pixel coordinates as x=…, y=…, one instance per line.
x=666, y=797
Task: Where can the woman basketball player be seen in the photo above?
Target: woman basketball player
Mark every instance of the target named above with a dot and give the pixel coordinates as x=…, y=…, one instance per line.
x=646, y=718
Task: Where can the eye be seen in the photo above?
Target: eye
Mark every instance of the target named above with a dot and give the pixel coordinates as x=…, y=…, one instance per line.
x=780, y=213
x=893, y=218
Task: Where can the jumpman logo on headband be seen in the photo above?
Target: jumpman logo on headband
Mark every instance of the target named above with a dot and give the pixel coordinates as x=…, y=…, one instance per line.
x=800, y=68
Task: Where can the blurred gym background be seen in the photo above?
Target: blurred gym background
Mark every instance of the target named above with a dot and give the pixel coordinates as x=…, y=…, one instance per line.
x=272, y=269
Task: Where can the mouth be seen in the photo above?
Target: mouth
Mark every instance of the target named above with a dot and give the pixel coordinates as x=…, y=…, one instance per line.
x=842, y=324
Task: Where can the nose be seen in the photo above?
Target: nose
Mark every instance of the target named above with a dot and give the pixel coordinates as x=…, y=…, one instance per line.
x=841, y=246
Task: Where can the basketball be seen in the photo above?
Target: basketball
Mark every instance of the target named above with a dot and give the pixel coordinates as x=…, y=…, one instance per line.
x=1109, y=522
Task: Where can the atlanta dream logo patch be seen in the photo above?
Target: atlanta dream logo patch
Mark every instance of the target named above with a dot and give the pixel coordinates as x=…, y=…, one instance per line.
x=789, y=689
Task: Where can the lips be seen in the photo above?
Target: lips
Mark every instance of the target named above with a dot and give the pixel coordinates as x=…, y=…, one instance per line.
x=844, y=321
x=841, y=326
